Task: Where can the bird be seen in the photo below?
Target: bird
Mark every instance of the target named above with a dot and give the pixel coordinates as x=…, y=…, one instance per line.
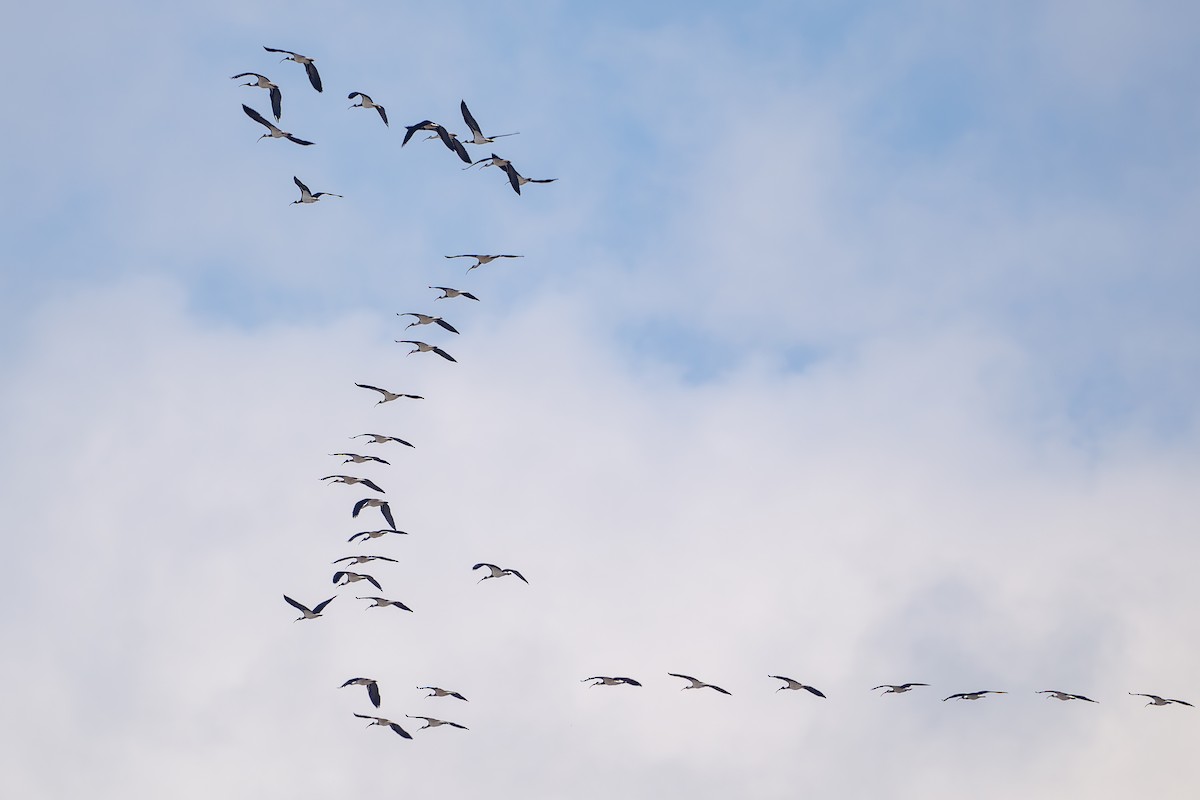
x=387, y=398
x=367, y=102
x=477, y=136
x=433, y=722
x=372, y=688
x=350, y=480
x=497, y=572
x=383, y=507
x=313, y=77
x=383, y=602
x=308, y=613
x=425, y=319
x=386, y=723
x=1057, y=695
x=364, y=559
x=422, y=347
x=274, y=133
x=972, y=695
x=365, y=535
x=435, y=691
x=357, y=459
x=448, y=139
x=893, y=688
x=423, y=125
x=601, y=680
x=697, y=684
x=492, y=161
x=480, y=260
x=354, y=577
x=379, y=438
x=308, y=196
x=263, y=82
x=517, y=180
x=1155, y=700
x=448, y=293
x=788, y=683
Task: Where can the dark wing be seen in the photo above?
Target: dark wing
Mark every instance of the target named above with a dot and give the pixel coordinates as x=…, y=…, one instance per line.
x=353, y=95
x=485, y=564
x=257, y=117
x=685, y=677
x=387, y=514
x=446, y=325
x=412, y=129
x=1182, y=703
x=513, y=177
x=382, y=115
x=314, y=77
x=298, y=140
x=467, y=118
x=355, y=536
x=319, y=606
x=296, y=605
x=400, y=730
x=815, y=691
x=1081, y=697
x=951, y=697
x=456, y=725
x=719, y=689
x=400, y=605
x=469, y=296
x=373, y=693
x=459, y=696
x=448, y=357
x=244, y=74
x=370, y=484
x=290, y=53
x=351, y=682
x=359, y=507
x=519, y=575
x=372, y=581
x=455, y=146
x=276, y=102
x=630, y=681
x=337, y=576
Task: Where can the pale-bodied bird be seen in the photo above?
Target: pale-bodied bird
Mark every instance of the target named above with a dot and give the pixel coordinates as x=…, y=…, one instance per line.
x=422, y=347
x=1155, y=700
x=435, y=691
x=364, y=559
x=491, y=161
x=309, y=196
x=433, y=722
x=273, y=132
x=383, y=602
x=425, y=319
x=350, y=480
x=1057, y=695
x=374, y=502
x=602, y=680
x=480, y=260
x=263, y=82
x=448, y=293
x=972, y=695
x=788, y=683
x=308, y=613
x=313, y=77
x=517, y=180
x=379, y=438
x=387, y=398
x=496, y=572
x=387, y=723
x=354, y=577
x=372, y=688
x=355, y=458
x=368, y=535
x=367, y=102
x=477, y=136
x=896, y=688
x=696, y=683
x=423, y=125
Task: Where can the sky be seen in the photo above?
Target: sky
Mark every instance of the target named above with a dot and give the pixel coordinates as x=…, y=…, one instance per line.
x=854, y=342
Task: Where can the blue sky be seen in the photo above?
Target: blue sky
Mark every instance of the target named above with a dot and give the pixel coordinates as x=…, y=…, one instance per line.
x=857, y=341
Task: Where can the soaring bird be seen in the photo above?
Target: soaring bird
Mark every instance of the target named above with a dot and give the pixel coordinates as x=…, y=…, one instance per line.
x=367, y=102
x=308, y=613
x=971, y=695
x=696, y=683
x=448, y=293
x=309, y=66
x=425, y=319
x=480, y=260
x=491, y=161
x=309, y=196
x=382, y=505
x=602, y=680
x=383, y=602
x=896, y=688
x=359, y=459
x=372, y=688
x=379, y=438
x=350, y=480
x=263, y=82
x=273, y=132
x=387, y=398
x=788, y=683
x=1155, y=700
x=386, y=723
x=435, y=691
x=422, y=347
x=433, y=722
x=477, y=136
x=423, y=125
x=497, y=572
x=1057, y=695
x=366, y=535
x=447, y=138
x=354, y=577
x=517, y=180
x=364, y=559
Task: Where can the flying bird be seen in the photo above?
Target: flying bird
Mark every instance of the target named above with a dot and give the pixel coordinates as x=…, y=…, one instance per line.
x=273, y=132
x=422, y=347
x=480, y=260
x=1155, y=700
x=477, y=136
x=350, y=480
x=425, y=319
x=601, y=680
x=364, y=559
x=387, y=398
x=383, y=602
x=448, y=293
x=1057, y=695
x=365, y=535
x=696, y=683
x=386, y=723
x=357, y=459
x=788, y=683
x=379, y=438
x=308, y=613
x=372, y=688
x=497, y=572
x=367, y=102
x=896, y=688
x=308, y=196
x=433, y=722
x=517, y=180
x=309, y=66
x=263, y=82
x=972, y=695
x=491, y=161
x=434, y=691
x=354, y=577
x=423, y=125
x=383, y=507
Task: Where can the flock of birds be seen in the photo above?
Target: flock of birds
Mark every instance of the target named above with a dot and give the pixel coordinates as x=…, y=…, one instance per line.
x=343, y=576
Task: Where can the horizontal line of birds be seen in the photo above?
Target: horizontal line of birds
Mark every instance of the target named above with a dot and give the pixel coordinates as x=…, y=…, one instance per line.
x=440, y=132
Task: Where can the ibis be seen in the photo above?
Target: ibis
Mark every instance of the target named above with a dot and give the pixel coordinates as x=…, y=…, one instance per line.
x=383, y=602
x=387, y=723
x=379, y=438
x=603, y=680
x=448, y=293
x=263, y=82
x=496, y=572
x=972, y=695
x=313, y=77
x=355, y=458
x=433, y=722
x=435, y=691
x=350, y=480
x=896, y=688
x=309, y=196
x=697, y=683
x=368, y=535
x=308, y=613
x=477, y=136
x=788, y=683
x=272, y=131
x=387, y=398
x=354, y=577
x=480, y=260
x=423, y=125
x=365, y=101
x=1057, y=695
x=364, y=559
x=422, y=347
x=1155, y=700
x=425, y=319
x=375, y=502
x=372, y=688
